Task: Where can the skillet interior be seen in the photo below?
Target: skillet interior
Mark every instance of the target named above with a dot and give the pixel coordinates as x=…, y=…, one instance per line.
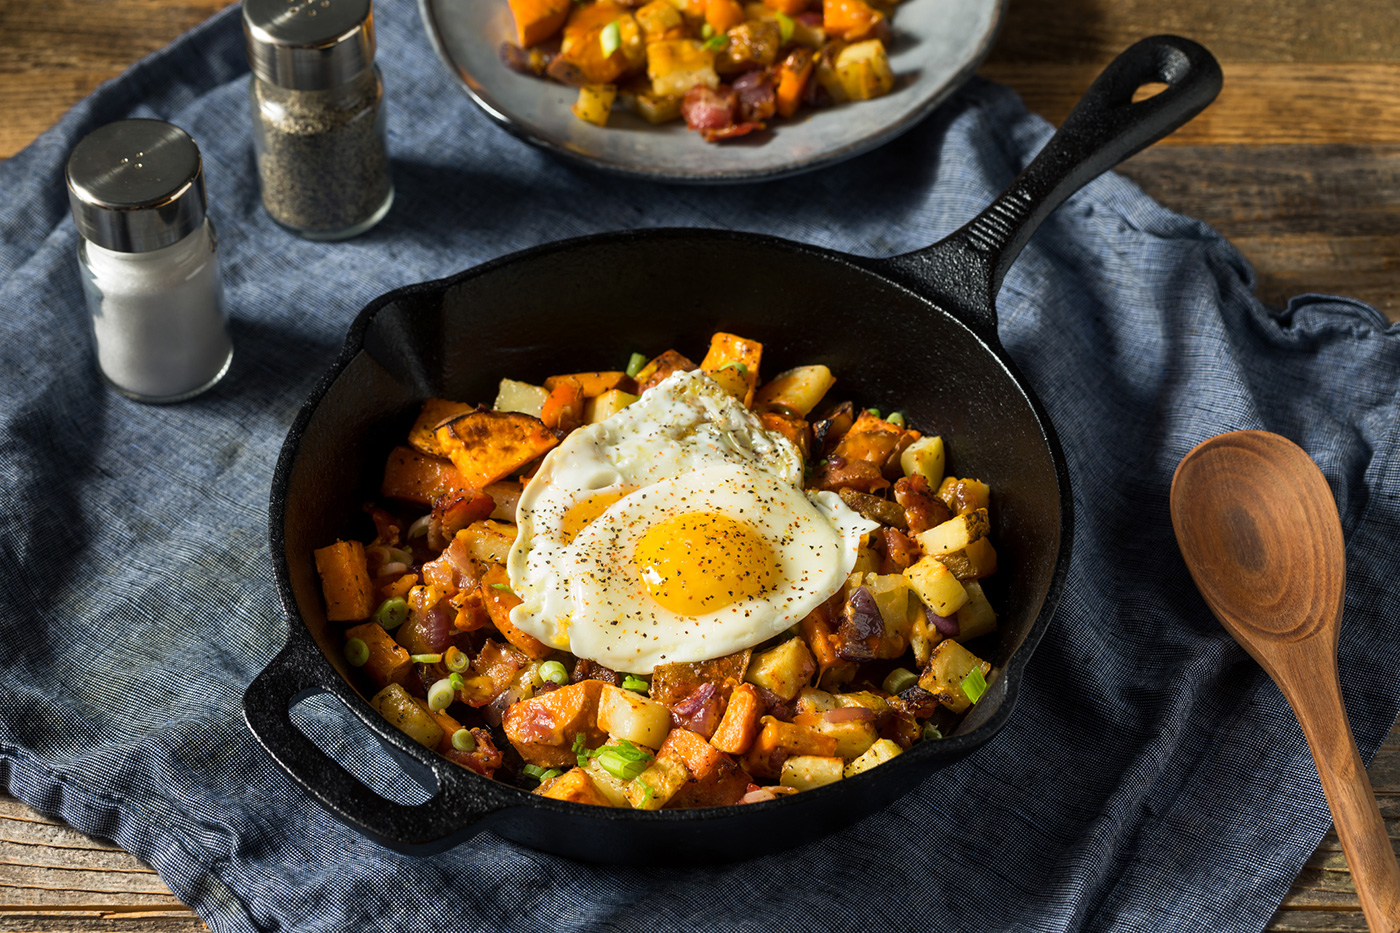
x=590, y=304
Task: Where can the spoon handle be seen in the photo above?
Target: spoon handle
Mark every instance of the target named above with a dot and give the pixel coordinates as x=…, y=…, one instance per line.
x=1314, y=691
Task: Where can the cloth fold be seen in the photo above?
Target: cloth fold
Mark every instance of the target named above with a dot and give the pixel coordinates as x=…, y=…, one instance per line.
x=1152, y=777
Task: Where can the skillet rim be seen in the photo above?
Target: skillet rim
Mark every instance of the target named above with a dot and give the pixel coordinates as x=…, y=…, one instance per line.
x=508, y=797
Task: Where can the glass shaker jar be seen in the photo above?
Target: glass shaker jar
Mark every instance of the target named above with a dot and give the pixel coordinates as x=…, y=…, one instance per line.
x=318, y=115
x=149, y=260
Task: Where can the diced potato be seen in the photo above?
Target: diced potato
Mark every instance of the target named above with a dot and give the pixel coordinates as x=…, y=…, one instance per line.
x=864, y=70
x=657, y=18
x=866, y=562
x=947, y=668
x=784, y=669
x=925, y=457
x=738, y=727
x=518, y=396
x=488, y=445
x=871, y=701
x=922, y=635
x=654, y=787
x=964, y=495
x=408, y=715
x=936, y=587
x=574, y=785
x=488, y=541
x=891, y=593
x=626, y=714
x=879, y=753
x=954, y=534
x=594, y=103
x=733, y=382
x=677, y=65
x=852, y=738
x=977, y=560
x=388, y=661
x=804, y=772
x=655, y=108
x=976, y=618
x=345, y=582
x=799, y=389
x=606, y=405
x=777, y=741
x=811, y=700
x=613, y=788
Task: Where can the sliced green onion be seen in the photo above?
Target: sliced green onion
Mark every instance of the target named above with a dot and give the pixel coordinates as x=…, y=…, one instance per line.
x=899, y=680
x=931, y=732
x=635, y=364
x=974, y=685
x=456, y=659
x=618, y=765
x=581, y=751
x=540, y=774
x=457, y=682
x=441, y=695
x=419, y=527
x=873, y=412
x=554, y=672
x=502, y=586
x=391, y=613
x=896, y=418
x=425, y=658
x=631, y=682
x=356, y=652
x=736, y=364
x=648, y=792
x=464, y=741
x=716, y=42
x=785, y=26
x=707, y=31
x=611, y=38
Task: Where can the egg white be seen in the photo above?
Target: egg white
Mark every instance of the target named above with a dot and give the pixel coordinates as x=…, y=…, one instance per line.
x=684, y=446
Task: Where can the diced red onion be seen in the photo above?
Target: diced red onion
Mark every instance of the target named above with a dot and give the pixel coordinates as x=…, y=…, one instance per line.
x=864, y=615
x=398, y=568
x=849, y=714
x=757, y=796
x=947, y=625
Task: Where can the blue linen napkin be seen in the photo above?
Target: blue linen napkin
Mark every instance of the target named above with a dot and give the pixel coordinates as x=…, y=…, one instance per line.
x=1151, y=779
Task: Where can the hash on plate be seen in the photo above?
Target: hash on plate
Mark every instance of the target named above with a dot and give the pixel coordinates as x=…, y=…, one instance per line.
x=726, y=67
x=668, y=586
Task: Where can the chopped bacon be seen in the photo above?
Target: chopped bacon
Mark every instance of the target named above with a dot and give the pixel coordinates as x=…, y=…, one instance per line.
x=712, y=113
x=922, y=509
x=386, y=527
x=484, y=759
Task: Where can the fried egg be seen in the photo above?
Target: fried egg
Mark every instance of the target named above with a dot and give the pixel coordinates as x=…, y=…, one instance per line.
x=676, y=530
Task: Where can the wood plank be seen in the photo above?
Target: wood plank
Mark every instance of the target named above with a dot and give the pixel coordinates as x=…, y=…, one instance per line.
x=1261, y=104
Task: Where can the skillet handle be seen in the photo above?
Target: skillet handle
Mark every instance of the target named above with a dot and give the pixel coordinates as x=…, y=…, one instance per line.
x=966, y=268
x=295, y=674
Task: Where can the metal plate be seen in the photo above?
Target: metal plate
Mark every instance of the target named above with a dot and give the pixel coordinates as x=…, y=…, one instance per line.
x=936, y=46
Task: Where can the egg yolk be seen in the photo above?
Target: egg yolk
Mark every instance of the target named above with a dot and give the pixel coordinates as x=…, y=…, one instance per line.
x=700, y=562
x=581, y=513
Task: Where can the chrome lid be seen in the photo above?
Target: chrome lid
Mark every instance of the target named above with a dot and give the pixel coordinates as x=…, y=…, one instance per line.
x=308, y=45
x=136, y=185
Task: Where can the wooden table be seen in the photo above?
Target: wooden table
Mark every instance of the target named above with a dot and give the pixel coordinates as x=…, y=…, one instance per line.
x=1297, y=163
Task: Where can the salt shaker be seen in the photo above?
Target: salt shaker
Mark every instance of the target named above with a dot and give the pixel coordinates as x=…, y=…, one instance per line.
x=318, y=116
x=149, y=260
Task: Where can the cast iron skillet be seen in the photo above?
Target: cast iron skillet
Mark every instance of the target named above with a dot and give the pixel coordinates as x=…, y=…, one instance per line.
x=916, y=332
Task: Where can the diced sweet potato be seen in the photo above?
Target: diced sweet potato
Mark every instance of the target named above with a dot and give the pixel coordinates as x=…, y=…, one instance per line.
x=388, y=662
x=415, y=477
x=543, y=728
x=850, y=19
x=537, y=20
x=723, y=15
x=738, y=727
x=596, y=383
x=576, y=786
x=435, y=412
x=669, y=362
x=734, y=352
x=345, y=581
x=793, y=428
x=563, y=410
x=500, y=600
x=715, y=780
x=777, y=741
x=487, y=445
x=455, y=511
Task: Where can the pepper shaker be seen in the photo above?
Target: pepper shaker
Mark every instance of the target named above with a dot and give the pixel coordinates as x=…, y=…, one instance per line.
x=149, y=260
x=318, y=116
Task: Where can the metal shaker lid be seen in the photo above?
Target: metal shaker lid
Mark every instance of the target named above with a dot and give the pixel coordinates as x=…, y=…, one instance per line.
x=308, y=45
x=136, y=185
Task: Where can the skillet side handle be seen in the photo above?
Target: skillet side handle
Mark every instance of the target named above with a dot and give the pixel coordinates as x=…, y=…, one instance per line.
x=291, y=677
x=967, y=267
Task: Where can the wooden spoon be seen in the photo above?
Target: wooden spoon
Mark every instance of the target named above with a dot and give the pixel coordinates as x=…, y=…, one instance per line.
x=1256, y=522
